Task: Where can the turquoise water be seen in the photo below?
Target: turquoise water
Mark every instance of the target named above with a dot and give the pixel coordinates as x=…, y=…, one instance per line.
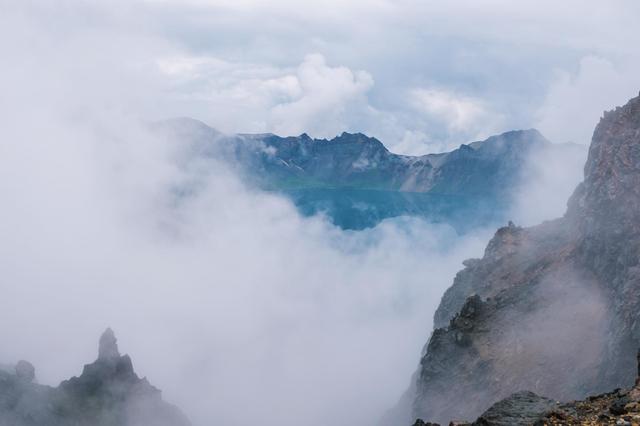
x=358, y=209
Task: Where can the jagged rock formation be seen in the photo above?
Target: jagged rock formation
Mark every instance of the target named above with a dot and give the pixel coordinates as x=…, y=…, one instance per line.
x=357, y=182
x=107, y=393
x=555, y=308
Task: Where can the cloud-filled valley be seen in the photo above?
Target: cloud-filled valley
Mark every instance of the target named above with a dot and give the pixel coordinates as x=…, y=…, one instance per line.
x=221, y=294
x=228, y=299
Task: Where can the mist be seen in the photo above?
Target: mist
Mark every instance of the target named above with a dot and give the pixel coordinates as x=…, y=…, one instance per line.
x=228, y=300
x=549, y=178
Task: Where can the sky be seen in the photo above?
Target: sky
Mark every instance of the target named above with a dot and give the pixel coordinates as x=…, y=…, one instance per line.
x=235, y=306
x=422, y=76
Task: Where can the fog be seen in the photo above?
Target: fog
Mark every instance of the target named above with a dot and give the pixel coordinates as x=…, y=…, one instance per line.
x=228, y=300
x=548, y=179
x=238, y=308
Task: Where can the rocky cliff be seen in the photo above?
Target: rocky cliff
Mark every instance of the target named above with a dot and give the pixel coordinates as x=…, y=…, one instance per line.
x=107, y=393
x=553, y=308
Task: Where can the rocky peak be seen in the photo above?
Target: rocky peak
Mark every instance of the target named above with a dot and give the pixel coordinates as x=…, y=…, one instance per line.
x=107, y=393
x=108, y=346
x=505, y=241
x=357, y=141
x=110, y=368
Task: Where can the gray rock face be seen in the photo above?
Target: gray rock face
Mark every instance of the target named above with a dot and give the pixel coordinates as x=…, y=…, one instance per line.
x=107, y=393
x=553, y=308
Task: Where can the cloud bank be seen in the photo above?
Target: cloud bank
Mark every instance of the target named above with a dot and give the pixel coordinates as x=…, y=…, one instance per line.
x=458, y=50
x=404, y=71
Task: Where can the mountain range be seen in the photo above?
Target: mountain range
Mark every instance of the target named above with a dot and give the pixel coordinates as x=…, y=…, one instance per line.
x=357, y=182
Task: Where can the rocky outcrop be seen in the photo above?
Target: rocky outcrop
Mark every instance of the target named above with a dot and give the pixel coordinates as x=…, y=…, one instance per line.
x=107, y=393
x=554, y=308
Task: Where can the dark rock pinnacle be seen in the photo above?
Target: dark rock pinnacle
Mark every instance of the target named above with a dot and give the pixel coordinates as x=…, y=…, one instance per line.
x=107, y=393
x=108, y=346
x=25, y=371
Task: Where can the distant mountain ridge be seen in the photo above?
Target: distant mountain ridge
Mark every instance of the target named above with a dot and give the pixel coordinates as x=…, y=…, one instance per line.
x=357, y=161
x=357, y=182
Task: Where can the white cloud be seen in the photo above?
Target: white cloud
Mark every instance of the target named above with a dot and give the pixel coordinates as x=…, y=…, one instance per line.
x=327, y=94
x=459, y=114
x=223, y=60
x=314, y=97
x=550, y=176
x=576, y=101
x=417, y=143
x=456, y=112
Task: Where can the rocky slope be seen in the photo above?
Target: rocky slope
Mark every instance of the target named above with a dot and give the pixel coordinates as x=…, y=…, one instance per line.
x=107, y=393
x=619, y=407
x=357, y=182
x=554, y=308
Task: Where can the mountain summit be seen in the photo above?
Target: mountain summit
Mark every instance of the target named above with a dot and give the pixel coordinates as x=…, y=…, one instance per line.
x=108, y=346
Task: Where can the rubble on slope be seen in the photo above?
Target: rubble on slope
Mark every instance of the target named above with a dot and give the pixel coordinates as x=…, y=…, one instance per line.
x=621, y=407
